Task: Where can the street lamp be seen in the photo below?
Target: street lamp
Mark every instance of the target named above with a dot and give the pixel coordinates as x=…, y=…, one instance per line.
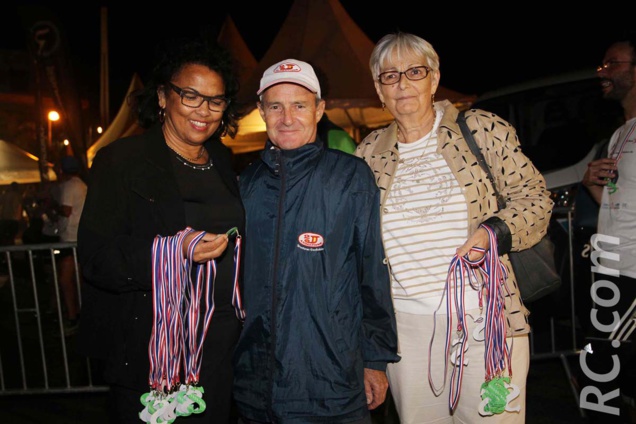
x=53, y=116
x=67, y=147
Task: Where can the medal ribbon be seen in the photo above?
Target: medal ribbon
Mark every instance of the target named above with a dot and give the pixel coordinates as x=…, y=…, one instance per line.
x=460, y=271
x=179, y=289
x=496, y=352
x=193, y=339
x=617, y=150
x=236, y=296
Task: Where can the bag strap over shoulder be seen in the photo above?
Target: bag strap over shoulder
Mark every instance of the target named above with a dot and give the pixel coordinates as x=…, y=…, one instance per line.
x=474, y=148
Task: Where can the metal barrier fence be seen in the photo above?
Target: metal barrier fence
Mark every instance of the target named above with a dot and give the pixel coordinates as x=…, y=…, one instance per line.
x=35, y=355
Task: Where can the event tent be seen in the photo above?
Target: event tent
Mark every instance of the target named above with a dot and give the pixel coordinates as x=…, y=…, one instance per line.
x=339, y=50
x=123, y=125
x=20, y=166
x=333, y=43
x=230, y=37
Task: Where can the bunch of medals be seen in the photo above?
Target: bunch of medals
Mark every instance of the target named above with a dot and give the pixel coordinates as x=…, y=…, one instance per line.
x=496, y=392
x=176, y=338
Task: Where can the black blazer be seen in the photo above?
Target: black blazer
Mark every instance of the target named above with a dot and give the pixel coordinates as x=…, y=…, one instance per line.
x=132, y=197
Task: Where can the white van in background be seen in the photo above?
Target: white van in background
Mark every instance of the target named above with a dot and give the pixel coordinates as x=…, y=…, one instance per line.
x=561, y=122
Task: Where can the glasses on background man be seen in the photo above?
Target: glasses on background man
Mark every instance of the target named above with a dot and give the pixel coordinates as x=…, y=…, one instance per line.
x=611, y=64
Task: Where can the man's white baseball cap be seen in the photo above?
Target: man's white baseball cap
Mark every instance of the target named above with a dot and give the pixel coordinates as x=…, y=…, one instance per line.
x=291, y=71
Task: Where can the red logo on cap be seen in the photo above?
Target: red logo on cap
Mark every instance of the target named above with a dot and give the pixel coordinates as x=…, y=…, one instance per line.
x=287, y=67
x=311, y=240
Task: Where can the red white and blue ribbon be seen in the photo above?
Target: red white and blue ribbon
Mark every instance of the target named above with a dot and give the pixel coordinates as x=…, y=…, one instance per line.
x=460, y=272
x=236, y=293
x=492, y=287
x=494, y=273
x=176, y=337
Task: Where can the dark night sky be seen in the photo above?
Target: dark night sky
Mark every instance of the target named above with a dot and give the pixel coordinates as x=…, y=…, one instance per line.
x=479, y=50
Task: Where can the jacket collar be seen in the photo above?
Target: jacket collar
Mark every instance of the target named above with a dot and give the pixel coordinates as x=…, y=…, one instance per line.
x=157, y=153
x=293, y=163
x=449, y=120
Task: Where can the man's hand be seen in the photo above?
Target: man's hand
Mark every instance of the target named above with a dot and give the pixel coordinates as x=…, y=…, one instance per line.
x=599, y=172
x=375, y=387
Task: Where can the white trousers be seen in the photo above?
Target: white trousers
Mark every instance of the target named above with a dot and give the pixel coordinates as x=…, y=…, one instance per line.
x=415, y=401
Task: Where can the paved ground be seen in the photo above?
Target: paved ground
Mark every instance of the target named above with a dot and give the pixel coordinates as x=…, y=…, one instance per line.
x=550, y=400
x=550, y=397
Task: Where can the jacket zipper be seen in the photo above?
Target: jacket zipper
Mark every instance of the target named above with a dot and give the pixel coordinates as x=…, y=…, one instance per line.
x=278, y=171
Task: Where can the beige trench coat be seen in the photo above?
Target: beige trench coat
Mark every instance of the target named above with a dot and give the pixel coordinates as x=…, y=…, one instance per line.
x=528, y=204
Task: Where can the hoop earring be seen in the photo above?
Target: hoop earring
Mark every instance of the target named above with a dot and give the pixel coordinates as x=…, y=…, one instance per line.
x=162, y=115
x=383, y=106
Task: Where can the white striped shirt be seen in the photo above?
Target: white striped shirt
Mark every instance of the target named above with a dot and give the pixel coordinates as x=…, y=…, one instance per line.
x=425, y=220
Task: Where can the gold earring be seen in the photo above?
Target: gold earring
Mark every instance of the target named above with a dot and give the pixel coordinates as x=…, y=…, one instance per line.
x=433, y=98
x=383, y=105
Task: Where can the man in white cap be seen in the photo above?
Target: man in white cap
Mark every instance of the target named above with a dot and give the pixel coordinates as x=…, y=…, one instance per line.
x=320, y=327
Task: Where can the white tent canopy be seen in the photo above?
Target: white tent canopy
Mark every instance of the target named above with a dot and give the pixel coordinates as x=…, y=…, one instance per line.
x=125, y=122
x=322, y=33
x=20, y=166
x=230, y=38
x=123, y=125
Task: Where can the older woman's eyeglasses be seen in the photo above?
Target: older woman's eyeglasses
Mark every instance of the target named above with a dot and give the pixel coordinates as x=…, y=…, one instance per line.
x=415, y=73
x=611, y=63
x=191, y=98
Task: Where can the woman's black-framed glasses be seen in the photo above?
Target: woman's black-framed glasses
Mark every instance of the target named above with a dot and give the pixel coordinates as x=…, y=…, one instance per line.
x=415, y=73
x=194, y=99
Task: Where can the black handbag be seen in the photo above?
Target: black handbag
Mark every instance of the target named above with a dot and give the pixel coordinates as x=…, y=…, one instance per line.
x=534, y=268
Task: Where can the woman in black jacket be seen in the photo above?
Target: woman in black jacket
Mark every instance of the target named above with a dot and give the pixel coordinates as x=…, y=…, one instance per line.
x=150, y=199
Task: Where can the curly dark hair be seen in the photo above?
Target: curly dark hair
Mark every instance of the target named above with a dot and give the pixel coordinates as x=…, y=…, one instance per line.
x=172, y=57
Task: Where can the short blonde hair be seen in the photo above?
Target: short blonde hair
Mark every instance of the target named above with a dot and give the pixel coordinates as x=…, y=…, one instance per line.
x=398, y=44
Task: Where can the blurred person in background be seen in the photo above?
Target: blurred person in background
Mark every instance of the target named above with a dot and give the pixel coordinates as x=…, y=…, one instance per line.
x=10, y=222
x=437, y=204
x=612, y=183
x=72, y=193
x=335, y=136
x=10, y=214
x=41, y=206
x=150, y=199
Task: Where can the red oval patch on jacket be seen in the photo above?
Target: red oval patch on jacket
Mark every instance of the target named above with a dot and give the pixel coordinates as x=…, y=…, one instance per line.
x=311, y=240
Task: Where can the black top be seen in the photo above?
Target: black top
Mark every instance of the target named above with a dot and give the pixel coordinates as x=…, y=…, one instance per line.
x=210, y=206
x=134, y=196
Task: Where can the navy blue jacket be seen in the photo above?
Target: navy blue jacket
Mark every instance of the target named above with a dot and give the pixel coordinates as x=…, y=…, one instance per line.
x=316, y=290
